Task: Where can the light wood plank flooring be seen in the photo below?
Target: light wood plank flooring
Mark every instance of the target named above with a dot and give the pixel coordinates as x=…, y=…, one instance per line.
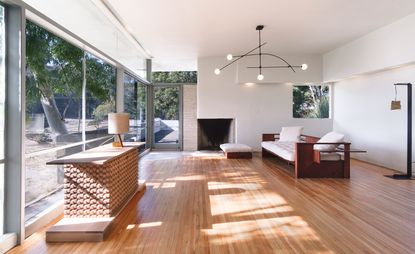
x=207, y=204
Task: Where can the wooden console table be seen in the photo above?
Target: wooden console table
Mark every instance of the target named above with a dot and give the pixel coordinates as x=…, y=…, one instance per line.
x=98, y=183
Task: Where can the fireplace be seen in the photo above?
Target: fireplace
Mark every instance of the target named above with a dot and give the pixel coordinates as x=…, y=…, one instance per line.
x=214, y=131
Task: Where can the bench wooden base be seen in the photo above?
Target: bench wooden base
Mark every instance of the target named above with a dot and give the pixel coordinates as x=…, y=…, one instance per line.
x=238, y=155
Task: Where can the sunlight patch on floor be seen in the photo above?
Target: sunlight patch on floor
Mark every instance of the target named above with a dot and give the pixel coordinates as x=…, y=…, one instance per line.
x=280, y=229
x=226, y=185
x=187, y=178
x=145, y=225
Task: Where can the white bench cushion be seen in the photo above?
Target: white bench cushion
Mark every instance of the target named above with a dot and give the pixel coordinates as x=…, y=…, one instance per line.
x=235, y=148
x=281, y=148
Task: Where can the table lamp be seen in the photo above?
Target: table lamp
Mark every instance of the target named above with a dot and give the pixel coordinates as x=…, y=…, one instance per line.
x=118, y=123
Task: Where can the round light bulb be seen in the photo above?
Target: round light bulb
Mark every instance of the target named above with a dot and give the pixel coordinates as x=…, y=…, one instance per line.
x=260, y=77
x=229, y=57
x=304, y=67
x=217, y=71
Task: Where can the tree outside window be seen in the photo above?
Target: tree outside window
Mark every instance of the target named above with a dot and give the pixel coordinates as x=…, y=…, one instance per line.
x=311, y=101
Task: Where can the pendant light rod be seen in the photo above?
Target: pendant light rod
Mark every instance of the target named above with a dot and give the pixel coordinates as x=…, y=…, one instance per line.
x=260, y=52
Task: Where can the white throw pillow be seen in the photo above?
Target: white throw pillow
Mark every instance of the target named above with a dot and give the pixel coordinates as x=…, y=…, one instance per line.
x=291, y=134
x=331, y=137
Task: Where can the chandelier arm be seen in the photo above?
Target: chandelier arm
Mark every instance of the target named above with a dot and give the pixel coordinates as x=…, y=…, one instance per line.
x=282, y=59
x=275, y=66
x=242, y=56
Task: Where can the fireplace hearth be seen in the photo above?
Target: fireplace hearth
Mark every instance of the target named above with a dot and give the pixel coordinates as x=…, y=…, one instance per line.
x=213, y=132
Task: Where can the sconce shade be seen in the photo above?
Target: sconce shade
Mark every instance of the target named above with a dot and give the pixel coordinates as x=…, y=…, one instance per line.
x=395, y=105
x=118, y=123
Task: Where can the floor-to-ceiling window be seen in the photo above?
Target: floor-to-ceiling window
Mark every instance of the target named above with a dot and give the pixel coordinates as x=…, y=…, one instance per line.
x=135, y=103
x=69, y=93
x=2, y=113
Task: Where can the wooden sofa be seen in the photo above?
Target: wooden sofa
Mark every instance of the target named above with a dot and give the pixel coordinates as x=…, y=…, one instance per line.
x=311, y=163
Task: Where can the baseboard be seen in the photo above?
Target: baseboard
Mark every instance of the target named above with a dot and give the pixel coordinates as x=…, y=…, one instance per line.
x=44, y=218
x=7, y=241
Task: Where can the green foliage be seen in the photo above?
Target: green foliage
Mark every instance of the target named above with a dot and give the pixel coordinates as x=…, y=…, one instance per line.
x=135, y=99
x=311, y=102
x=184, y=77
x=55, y=66
x=166, y=103
x=101, y=113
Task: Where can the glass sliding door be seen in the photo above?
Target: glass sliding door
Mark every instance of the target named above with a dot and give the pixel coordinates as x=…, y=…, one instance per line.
x=2, y=114
x=135, y=103
x=167, y=113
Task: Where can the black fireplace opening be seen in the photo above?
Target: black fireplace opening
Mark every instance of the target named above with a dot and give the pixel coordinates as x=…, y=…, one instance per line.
x=213, y=132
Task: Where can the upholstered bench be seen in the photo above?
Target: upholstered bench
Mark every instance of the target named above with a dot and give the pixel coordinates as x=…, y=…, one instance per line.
x=236, y=151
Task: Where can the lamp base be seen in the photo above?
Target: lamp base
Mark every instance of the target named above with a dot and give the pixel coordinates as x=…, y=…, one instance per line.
x=401, y=177
x=116, y=144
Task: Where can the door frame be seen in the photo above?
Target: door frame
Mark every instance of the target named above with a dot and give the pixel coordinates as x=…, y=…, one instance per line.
x=154, y=145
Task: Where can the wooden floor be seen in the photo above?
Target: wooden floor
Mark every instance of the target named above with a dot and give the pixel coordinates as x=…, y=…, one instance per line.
x=207, y=204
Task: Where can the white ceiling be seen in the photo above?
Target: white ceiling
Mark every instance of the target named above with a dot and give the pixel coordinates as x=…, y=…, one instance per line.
x=177, y=32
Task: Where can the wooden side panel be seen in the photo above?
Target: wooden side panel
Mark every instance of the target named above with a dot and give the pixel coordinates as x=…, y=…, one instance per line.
x=306, y=166
x=270, y=136
x=239, y=155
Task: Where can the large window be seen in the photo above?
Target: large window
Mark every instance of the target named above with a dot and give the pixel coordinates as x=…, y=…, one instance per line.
x=311, y=101
x=69, y=93
x=135, y=103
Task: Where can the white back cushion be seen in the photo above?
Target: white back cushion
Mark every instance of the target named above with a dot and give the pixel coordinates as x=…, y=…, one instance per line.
x=331, y=137
x=292, y=133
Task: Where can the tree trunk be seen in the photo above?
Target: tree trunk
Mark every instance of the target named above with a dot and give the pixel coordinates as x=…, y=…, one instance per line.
x=53, y=116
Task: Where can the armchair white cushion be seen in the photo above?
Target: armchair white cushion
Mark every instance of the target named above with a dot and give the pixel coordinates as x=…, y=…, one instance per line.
x=331, y=137
x=291, y=134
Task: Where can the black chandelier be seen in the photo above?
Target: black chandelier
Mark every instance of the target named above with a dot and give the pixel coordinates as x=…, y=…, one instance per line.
x=230, y=57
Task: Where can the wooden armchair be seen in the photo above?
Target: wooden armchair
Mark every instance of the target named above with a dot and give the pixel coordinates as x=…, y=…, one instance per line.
x=310, y=163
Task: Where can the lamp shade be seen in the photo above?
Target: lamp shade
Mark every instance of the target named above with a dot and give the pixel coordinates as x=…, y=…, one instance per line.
x=118, y=123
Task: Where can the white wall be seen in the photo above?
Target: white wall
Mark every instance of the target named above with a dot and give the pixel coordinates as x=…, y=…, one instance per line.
x=366, y=70
x=259, y=108
x=387, y=47
x=362, y=112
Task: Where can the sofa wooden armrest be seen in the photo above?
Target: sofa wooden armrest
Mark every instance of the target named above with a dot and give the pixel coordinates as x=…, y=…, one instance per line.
x=308, y=161
x=270, y=136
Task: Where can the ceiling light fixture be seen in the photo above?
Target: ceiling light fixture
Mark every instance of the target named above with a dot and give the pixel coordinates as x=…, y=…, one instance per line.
x=260, y=76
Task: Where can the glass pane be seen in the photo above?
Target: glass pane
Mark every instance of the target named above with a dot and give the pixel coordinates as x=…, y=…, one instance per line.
x=101, y=89
x=311, y=101
x=53, y=90
x=44, y=183
x=166, y=115
x=183, y=77
x=135, y=103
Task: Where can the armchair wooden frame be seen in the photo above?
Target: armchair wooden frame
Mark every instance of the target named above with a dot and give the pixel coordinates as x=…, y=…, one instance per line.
x=307, y=161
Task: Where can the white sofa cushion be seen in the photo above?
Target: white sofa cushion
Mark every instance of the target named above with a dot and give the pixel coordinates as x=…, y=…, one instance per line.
x=331, y=137
x=235, y=148
x=283, y=149
x=291, y=134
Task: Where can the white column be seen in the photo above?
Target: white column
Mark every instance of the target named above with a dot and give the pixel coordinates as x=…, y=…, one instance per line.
x=14, y=197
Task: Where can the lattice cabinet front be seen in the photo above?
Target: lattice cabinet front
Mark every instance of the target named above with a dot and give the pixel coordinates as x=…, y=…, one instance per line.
x=100, y=190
